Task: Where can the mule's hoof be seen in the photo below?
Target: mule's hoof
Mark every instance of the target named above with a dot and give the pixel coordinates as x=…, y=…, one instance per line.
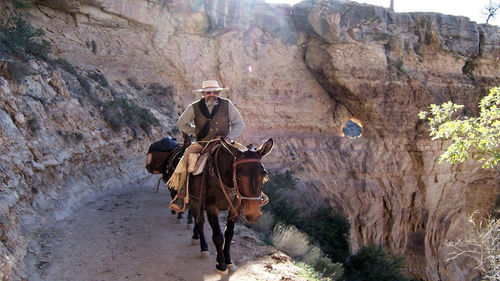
x=172, y=212
x=231, y=267
x=204, y=254
x=194, y=241
x=222, y=273
x=179, y=221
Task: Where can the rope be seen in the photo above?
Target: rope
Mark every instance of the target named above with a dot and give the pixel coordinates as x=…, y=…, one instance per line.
x=223, y=187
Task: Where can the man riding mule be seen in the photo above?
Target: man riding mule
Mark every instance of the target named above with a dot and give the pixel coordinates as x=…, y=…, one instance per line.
x=231, y=178
x=207, y=119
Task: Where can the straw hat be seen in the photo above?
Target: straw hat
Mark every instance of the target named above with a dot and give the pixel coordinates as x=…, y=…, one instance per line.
x=210, y=85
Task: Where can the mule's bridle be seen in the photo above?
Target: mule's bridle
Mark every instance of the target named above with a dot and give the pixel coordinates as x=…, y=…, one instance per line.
x=264, y=199
x=235, y=182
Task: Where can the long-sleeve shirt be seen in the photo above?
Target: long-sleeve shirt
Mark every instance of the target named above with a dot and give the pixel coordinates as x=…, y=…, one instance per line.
x=186, y=120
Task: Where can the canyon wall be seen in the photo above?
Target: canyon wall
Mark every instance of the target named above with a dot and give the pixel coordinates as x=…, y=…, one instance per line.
x=297, y=74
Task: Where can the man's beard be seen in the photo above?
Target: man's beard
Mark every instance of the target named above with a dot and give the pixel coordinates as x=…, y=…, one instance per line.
x=211, y=100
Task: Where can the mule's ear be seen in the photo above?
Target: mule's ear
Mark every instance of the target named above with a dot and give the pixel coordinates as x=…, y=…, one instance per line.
x=265, y=148
x=234, y=151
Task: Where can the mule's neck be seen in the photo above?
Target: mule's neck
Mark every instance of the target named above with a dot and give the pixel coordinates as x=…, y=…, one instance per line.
x=225, y=162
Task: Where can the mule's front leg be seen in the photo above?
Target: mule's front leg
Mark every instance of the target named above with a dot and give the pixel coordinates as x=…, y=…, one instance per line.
x=228, y=235
x=218, y=240
x=190, y=217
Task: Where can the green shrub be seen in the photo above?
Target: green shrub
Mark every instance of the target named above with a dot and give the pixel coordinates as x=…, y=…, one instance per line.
x=328, y=268
x=399, y=65
x=279, y=205
x=33, y=124
x=94, y=46
x=159, y=90
x=66, y=65
x=21, y=38
x=327, y=228
x=124, y=112
x=19, y=4
x=18, y=70
x=84, y=82
x=331, y=231
x=310, y=273
x=322, y=264
x=99, y=78
x=134, y=83
x=372, y=263
x=79, y=136
x=469, y=67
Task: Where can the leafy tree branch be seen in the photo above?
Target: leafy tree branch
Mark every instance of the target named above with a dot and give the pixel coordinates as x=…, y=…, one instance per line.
x=477, y=138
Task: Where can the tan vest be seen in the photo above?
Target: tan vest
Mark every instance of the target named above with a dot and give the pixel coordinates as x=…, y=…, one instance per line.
x=220, y=122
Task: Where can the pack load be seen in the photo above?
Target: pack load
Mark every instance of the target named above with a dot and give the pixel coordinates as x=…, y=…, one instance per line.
x=158, y=154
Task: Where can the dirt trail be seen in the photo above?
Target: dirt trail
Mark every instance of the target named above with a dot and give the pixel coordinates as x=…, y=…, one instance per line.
x=129, y=234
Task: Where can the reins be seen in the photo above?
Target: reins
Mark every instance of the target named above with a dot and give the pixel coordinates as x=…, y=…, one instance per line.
x=223, y=186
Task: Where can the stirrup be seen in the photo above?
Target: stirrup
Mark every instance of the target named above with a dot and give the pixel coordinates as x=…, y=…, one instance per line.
x=177, y=207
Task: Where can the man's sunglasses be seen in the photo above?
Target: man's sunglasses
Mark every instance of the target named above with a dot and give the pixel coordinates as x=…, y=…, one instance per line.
x=211, y=92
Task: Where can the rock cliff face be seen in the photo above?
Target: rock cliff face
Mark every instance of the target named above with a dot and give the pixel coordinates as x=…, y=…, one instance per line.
x=297, y=74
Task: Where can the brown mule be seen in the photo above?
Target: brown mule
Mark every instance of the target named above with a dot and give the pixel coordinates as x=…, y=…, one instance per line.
x=232, y=180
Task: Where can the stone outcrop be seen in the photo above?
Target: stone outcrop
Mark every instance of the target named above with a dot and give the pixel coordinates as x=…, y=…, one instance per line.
x=297, y=74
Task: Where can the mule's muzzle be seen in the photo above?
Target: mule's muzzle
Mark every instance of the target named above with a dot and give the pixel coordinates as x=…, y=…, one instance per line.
x=251, y=211
x=252, y=218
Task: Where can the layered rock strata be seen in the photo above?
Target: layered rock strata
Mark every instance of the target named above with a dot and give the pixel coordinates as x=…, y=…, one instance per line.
x=297, y=74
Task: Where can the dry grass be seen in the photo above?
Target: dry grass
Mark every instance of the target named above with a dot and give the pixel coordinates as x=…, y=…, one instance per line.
x=295, y=243
x=290, y=240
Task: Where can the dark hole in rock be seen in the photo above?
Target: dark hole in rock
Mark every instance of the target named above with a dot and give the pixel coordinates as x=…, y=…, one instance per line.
x=352, y=129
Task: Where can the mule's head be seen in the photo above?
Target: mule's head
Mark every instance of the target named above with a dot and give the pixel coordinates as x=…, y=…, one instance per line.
x=248, y=177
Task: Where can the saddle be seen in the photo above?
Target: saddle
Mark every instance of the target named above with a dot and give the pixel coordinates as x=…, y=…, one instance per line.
x=207, y=151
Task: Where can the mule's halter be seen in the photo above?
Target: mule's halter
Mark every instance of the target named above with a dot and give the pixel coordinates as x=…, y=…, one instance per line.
x=264, y=198
x=235, y=182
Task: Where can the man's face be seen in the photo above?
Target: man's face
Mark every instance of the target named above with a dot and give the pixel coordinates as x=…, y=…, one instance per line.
x=210, y=97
